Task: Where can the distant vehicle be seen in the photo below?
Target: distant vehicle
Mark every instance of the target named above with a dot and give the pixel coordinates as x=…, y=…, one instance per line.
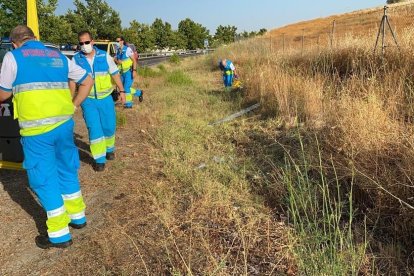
x=111, y=48
x=107, y=46
x=52, y=46
x=68, y=47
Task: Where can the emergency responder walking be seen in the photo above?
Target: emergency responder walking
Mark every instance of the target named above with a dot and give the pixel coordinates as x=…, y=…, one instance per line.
x=38, y=78
x=229, y=72
x=127, y=64
x=136, y=92
x=99, y=108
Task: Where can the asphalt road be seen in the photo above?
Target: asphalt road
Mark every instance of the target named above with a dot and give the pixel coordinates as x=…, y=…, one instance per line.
x=151, y=61
x=147, y=61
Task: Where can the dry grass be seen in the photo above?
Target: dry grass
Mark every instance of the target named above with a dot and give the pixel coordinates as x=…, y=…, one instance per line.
x=360, y=108
x=159, y=213
x=318, y=32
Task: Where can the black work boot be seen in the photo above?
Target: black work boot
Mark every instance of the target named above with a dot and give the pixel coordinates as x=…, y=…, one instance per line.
x=77, y=226
x=99, y=167
x=44, y=243
x=110, y=156
x=141, y=97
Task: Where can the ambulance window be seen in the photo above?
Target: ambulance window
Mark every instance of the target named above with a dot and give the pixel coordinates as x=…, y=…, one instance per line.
x=102, y=47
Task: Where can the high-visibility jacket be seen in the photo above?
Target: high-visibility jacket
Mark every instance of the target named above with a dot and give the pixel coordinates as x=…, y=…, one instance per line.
x=126, y=62
x=227, y=69
x=42, y=99
x=103, y=86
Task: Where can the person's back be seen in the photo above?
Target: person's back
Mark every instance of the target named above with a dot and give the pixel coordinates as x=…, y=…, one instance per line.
x=229, y=70
x=128, y=66
x=44, y=69
x=38, y=79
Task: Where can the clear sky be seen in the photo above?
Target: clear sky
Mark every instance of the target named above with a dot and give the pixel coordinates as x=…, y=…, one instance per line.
x=246, y=15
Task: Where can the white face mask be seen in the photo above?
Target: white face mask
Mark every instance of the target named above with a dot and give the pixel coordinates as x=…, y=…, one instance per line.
x=87, y=48
x=117, y=44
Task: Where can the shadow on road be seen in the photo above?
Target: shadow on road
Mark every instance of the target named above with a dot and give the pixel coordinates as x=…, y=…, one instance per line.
x=15, y=183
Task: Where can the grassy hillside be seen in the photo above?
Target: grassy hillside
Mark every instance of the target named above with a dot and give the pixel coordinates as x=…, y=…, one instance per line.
x=336, y=133
x=364, y=23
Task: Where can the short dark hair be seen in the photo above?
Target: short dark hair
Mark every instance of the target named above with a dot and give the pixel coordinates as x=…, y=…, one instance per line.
x=121, y=38
x=82, y=33
x=21, y=33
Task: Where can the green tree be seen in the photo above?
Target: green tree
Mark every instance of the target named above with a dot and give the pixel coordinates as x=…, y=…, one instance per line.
x=12, y=13
x=193, y=33
x=97, y=17
x=163, y=33
x=141, y=35
x=52, y=28
x=225, y=34
x=178, y=40
x=262, y=31
x=244, y=34
x=394, y=1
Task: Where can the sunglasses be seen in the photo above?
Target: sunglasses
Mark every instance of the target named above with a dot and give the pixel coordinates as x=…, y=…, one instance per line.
x=118, y=40
x=84, y=43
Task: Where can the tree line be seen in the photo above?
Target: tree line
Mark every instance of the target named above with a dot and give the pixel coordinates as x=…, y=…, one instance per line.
x=105, y=23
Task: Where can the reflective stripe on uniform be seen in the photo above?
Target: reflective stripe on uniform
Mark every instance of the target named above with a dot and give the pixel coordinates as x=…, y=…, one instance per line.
x=128, y=97
x=42, y=122
x=75, y=206
x=72, y=196
x=101, y=73
x=98, y=147
x=96, y=141
x=100, y=94
x=110, y=137
x=110, y=142
x=77, y=215
x=40, y=86
x=100, y=155
x=56, y=212
x=58, y=234
x=126, y=65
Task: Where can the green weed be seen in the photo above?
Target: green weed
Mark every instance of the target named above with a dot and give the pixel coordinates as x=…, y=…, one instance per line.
x=148, y=72
x=175, y=59
x=162, y=68
x=121, y=119
x=322, y=218
x=178, y=78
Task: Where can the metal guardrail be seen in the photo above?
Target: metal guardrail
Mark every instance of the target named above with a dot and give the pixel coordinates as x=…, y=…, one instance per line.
x=154, y=55
x=171, y=53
